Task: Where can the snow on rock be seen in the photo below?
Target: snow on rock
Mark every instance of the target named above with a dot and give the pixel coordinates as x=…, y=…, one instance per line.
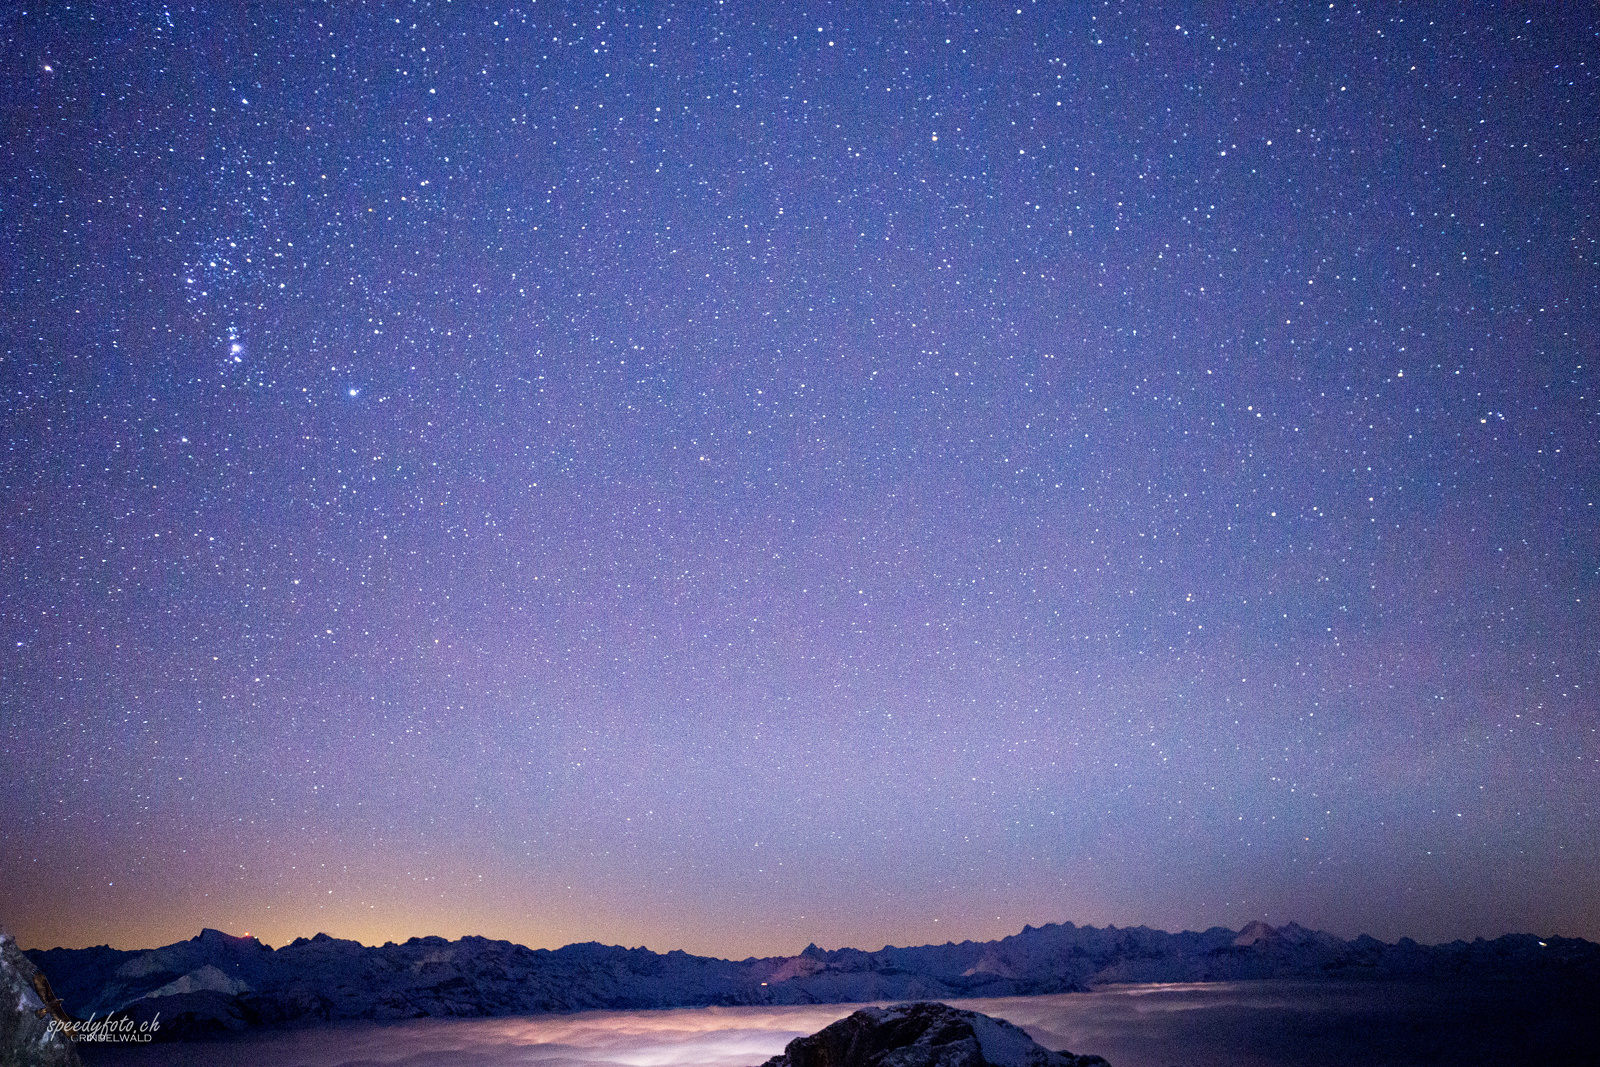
x=801, y=966
x=924, y=1034
x=990, y=962
x=1253, y=932
x=206, y=978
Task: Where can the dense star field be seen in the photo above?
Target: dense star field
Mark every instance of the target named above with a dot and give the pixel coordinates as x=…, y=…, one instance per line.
x=721, y=476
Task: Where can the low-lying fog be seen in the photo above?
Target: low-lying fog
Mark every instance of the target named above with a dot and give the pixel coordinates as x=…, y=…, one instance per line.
x=1237, y=1024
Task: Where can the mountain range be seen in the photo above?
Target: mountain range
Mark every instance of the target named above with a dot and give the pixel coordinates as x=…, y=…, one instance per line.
x=218, y=982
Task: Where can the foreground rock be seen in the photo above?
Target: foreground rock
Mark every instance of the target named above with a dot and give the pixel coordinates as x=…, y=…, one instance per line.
x=923, y=1035
x=26, y=1037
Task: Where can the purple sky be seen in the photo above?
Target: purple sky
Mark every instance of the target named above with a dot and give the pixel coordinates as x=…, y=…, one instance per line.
x=723, y=476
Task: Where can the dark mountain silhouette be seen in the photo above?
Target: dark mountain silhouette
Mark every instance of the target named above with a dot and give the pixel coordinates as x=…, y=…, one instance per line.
x=217, y=982
x=924, y=1035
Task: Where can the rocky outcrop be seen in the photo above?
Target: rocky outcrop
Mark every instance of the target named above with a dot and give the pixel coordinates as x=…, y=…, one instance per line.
x=923, y=1035
x=28, y=1009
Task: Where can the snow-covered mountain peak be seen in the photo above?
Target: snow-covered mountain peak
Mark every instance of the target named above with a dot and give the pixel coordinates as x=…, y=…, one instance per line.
x=1253, y=932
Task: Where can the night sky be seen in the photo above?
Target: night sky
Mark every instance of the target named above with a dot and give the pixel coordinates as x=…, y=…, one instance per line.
x=722, y=476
